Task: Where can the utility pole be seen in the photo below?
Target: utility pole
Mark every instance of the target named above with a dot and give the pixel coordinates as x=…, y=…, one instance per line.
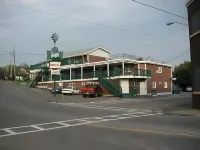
x=11, y=76
x=14, y=64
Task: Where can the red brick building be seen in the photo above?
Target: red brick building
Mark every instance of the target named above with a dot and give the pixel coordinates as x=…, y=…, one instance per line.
x=79, y=68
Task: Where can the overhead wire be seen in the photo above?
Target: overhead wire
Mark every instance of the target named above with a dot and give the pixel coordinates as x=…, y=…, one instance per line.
x=98, y=24
x=178, y=56
x=86, y=21
x=33, y=54
x=159, y=9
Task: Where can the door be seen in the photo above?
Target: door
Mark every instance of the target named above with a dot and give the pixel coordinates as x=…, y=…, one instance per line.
x=143, y=88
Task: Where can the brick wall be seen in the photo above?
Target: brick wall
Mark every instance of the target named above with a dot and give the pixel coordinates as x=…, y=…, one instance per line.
x=159, y=78
x=142, y=66
x=92, y=58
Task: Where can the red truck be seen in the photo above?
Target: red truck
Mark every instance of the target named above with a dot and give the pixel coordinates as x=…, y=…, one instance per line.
x=92, y=90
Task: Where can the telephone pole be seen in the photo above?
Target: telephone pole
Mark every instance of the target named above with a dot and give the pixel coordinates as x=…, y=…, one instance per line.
x=13, y=54
x=14, y=64
x=11, y=75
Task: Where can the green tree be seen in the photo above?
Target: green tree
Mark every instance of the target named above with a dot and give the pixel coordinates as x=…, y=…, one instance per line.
x=183, y=75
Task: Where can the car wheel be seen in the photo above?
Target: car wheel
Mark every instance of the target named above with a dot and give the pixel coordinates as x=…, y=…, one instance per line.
x=84, y=95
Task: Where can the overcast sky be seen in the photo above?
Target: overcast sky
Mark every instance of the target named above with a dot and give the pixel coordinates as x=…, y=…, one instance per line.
x=30, y=32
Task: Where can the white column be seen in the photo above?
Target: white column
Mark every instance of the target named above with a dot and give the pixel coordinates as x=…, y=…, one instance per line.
x=123, y=68
x=108, y=70
x=145, y=66
x=70, y=73
x=94, y=68
x=81, y=72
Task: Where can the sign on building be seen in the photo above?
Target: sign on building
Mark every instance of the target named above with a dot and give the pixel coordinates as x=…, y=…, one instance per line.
x=55, y=72
x=54, y=65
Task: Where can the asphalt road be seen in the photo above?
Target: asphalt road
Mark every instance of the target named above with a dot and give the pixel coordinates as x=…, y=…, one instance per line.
x=33, y=119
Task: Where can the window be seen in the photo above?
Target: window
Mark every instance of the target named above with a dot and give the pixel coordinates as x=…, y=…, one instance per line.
x=83, y=83
x=76, y=60
x=195, y=22
x=127, y=68
x=72, y=85
x=159, y=70
x=69, y=60
x=154, y=85
x=165, y=85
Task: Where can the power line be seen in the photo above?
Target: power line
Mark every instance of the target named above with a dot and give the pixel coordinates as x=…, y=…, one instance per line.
x=178, y=56
x=33, y=54
x=159, y=9
x=4, y=57
x=85, y=21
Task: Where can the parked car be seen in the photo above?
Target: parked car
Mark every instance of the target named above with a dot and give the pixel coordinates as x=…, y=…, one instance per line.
x=70, y=90
x=58, y=89
x=92, y=90
x=189, y=89
x=176, y=90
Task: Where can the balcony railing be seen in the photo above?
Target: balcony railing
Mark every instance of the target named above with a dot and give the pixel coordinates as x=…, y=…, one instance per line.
x=112, y=73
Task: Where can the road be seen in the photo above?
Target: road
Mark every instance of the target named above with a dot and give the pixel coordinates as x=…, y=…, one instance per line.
x=33, y=119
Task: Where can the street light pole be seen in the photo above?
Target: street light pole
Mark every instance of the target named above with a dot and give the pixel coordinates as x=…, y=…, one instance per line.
x=170, y=23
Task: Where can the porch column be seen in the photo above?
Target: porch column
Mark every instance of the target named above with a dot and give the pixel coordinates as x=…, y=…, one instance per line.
x=123, y=67
x=94, y=71
x=51, y=78
x=70, y=73
x=108, y=70
x=81, y=72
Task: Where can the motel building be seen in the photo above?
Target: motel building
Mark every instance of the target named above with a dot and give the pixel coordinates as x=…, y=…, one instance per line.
x=121, y=73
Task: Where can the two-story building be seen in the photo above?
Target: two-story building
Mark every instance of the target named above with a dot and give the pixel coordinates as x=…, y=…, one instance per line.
x=130, y=73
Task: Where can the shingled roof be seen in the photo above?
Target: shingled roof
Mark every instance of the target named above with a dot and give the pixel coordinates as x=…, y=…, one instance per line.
x=82, y=52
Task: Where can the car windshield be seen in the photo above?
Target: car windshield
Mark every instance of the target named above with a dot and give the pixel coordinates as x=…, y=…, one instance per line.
x=69, y=87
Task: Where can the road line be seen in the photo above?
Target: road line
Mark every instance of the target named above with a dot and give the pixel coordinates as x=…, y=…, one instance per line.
x=64, y=123
x=36, y=90
x=9, y=131
x=36, y=127
x=166, y=105
x=143, y=131
x=19, y=89
x=103, y=101
x=105, y=108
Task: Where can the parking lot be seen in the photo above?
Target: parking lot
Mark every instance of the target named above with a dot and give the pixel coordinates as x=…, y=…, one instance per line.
x=35, y=119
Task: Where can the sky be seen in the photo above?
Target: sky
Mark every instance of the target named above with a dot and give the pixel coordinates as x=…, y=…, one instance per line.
x=145, y=34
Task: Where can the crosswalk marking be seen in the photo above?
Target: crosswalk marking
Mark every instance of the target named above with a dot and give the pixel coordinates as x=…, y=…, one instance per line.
x=69, y=123
x=90, y=106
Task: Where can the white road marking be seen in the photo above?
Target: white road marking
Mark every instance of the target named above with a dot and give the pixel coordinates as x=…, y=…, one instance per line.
x=36, y=90
x=36, y=127
x=65, y=124
x=19, y=89
x=9, y=131
x=168, y=104
x=103, y=107
x=103, y=101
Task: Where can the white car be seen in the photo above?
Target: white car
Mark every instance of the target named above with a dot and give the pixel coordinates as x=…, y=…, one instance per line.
x=70, y=90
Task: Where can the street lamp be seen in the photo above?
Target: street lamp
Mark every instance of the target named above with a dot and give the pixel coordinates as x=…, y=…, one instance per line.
x=170, y=23
x=13, y=55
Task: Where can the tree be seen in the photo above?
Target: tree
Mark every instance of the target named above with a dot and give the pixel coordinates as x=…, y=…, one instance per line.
x=183, y=75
